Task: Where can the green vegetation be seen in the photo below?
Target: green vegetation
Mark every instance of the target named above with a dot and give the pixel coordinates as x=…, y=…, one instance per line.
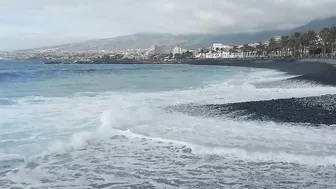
x=304, y=45
x=185, y=55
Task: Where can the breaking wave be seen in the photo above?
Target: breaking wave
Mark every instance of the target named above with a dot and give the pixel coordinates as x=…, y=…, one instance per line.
x=132, y=138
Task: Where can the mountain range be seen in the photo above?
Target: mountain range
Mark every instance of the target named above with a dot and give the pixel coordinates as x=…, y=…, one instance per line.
x=146, y=40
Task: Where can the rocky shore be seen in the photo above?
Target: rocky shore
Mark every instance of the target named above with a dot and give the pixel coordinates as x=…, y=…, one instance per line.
x=318, y=110
x=312, y=110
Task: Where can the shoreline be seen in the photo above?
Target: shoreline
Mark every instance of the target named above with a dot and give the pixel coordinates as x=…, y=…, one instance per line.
x=319, y=70
x=315, y=110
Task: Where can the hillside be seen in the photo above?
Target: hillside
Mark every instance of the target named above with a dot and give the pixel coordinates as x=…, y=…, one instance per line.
x=316, y=25
x=146, y=40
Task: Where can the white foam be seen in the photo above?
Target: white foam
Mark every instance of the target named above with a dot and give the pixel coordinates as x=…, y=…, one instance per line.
x=80, y=120
x=255, y=156
x=279, y=151
x=252, y=141
x=10, y=161
x=123, y=117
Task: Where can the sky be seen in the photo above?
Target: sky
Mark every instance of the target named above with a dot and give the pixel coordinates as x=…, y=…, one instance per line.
x=35, y=23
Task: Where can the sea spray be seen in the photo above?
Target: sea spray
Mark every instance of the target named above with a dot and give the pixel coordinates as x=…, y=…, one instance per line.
x=123, y=117
x=113, y=122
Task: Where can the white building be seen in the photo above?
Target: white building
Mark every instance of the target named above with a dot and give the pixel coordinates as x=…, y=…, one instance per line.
x=219, y=46
x=240, y=46
x=177, y=50
x=228, y=46
x=253, y=44
x=128, y=56
x=150, y=52
x=194, y=52
x=277, y=38
x=216, y=46
x=222, y=55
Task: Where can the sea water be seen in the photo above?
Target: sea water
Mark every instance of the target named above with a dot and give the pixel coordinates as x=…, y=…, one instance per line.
x=108, y=126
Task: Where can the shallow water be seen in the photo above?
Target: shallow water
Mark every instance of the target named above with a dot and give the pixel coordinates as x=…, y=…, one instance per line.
x=107, y=126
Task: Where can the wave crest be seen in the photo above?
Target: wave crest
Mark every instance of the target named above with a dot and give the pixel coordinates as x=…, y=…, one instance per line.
x=124, y=117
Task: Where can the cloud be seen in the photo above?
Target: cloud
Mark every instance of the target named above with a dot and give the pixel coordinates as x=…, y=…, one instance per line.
x=246, y=15
x=168, y=8
x=108, y=18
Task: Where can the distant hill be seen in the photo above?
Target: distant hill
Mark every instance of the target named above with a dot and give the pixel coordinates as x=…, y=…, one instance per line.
x=146, y=40
x=316, y=25
x=139, y=40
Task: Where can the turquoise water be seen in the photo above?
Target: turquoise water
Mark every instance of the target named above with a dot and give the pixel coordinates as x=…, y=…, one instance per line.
x=35, y=79
x=30, y=85
x=107, y=126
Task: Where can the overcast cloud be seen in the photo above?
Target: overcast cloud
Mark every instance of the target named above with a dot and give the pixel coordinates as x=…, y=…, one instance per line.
x=32, y=23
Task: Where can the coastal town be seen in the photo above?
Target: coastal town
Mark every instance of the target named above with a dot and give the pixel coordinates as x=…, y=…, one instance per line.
x=298, y=45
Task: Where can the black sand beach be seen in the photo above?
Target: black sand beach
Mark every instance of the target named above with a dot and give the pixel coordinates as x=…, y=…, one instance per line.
x=314, y=71
x=312, y=110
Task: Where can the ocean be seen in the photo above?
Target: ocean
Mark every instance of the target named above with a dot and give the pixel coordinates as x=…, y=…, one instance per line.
x=112, y=126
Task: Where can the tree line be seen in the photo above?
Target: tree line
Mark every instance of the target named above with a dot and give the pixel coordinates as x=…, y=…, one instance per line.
x=306, y=44
x=298, y=45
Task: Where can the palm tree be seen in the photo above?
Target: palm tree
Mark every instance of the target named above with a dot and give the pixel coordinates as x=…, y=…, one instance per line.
x=326, y=37
x=295, y=44
x=272, y=46
x=312, y=38
x=304, y=43
x=332, y=38
x=245, y=49
x=202, y=52
x=291, y=45
x=299, y=44
x=284, y=44
x=234, y=50
x=260, y=49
